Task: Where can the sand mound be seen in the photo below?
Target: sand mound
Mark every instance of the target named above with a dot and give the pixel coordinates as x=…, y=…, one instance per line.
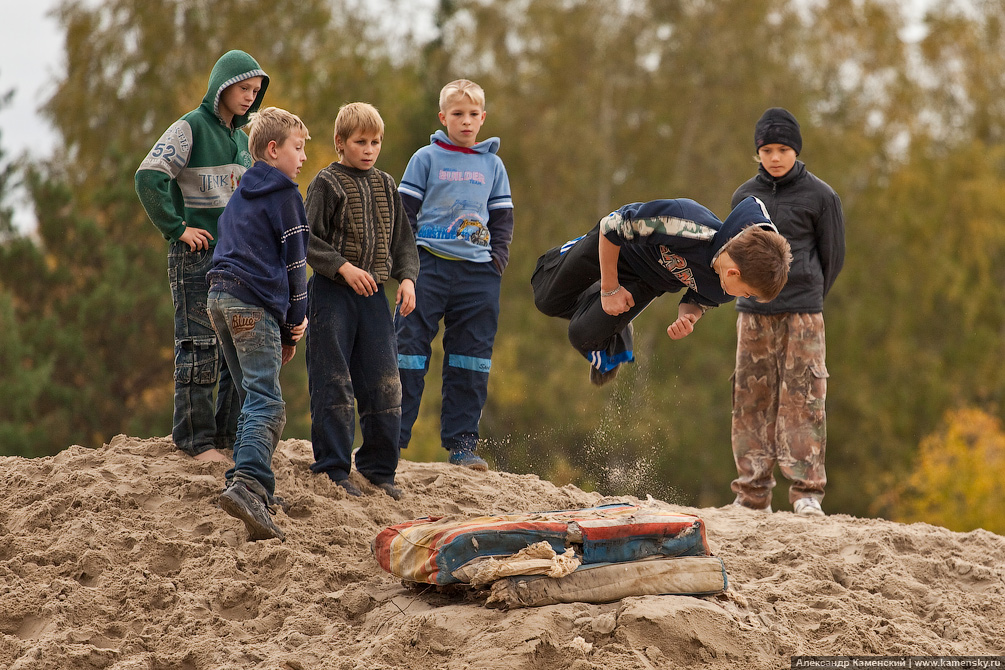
x=119, y=558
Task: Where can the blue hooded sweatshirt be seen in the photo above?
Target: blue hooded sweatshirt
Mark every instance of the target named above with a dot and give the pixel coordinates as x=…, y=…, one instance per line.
x=671, y=244
x=261, y=257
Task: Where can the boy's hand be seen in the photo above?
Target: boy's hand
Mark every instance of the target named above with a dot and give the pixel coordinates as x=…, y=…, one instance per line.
x=289, y=351
x=620, y=302
x=195, y=238
x=405, y=297
x=687, y=315
x=358, y=280
x=682, y=327
x=298, y=331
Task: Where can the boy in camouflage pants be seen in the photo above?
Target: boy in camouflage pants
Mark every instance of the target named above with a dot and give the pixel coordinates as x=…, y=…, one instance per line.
x=780, y=383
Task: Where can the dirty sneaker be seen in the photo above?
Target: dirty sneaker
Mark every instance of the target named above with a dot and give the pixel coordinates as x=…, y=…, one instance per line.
x=349, y=488
x=468, y=458
x=240, y=502
x=390, y=489
x=808, y=507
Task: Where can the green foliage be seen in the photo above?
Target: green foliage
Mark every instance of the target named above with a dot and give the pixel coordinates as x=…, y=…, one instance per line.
x=597, y=104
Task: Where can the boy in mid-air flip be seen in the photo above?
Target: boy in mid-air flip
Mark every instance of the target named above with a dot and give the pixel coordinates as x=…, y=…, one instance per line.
x=604, y=279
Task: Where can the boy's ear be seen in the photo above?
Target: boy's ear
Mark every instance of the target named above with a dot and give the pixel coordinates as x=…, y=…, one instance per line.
x=272, y=149
x=443, y=118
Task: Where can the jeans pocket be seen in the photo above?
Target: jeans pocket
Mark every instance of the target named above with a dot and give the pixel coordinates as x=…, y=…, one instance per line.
x=245, y=328
x=197, y=361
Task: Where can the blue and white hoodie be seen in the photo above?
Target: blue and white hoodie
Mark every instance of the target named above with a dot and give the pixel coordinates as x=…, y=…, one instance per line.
x=463, y=202
x=671, y=244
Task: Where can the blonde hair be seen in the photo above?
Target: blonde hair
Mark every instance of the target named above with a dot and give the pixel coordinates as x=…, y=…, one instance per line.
x=272, y=124
x=461, y=88
x=356, y=116
x=763, y=258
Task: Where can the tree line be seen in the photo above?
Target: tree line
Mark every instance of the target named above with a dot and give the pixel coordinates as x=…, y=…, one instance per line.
x=596, y=104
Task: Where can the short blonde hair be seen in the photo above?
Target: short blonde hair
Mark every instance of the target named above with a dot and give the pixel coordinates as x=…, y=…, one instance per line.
x=763, y=258
x=272, y=124
x=356, y=116
x=461, y=88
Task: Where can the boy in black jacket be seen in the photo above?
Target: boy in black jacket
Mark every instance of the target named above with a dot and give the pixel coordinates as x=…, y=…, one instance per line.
x=780, y=383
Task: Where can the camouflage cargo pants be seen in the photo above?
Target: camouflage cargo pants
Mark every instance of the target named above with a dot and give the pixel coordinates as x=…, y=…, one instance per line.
x=779, y=391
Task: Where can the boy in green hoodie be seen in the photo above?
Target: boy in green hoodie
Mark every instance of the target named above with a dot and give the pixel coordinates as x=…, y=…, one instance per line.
x=184, y=184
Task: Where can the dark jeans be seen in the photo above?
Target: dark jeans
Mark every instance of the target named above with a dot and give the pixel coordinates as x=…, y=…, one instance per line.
x=252, y=345
x=566, y=284
x=351, y=356
x=465, y=296
x=199, y=423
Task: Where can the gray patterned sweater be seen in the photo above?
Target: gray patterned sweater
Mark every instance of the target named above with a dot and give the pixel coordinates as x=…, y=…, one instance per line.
x=356, y=216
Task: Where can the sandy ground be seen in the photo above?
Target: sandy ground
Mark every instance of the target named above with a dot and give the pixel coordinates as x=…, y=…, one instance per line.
x=120, y=558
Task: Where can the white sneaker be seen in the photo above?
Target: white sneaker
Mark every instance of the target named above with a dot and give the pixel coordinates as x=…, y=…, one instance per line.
x=808, y=507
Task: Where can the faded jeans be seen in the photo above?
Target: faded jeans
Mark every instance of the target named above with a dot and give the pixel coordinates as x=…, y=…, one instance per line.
x=252, y=345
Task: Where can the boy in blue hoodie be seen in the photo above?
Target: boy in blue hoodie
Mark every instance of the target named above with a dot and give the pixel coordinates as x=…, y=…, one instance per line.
x=258, y=306
x=183, y=184
x=457, y=196
x=604, y=279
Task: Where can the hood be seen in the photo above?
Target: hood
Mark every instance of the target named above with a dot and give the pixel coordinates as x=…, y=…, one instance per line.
x=489, y=146
x=748, y=212
x=234, y=66
x=263, y=179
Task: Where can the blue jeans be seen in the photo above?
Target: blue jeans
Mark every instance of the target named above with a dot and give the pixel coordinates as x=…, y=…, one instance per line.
x=199, y=424
x=351, y=355
x=252, y=346
x=465, y=296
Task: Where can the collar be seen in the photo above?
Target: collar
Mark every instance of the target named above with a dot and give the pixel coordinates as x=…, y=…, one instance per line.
x=454, y=147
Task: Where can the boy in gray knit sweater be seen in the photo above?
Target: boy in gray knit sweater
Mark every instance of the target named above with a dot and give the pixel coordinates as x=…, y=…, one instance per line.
x=360, y=237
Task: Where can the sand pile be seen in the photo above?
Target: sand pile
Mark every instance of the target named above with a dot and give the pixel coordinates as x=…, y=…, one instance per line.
x=119, y=558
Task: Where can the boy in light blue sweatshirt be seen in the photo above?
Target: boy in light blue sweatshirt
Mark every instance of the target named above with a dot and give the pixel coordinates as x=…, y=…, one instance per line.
x=457, y=196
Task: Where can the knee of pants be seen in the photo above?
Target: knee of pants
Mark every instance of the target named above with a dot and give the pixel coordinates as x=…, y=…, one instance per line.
x=584, y=338
x=546, y=306
x=384, y=395
x=197, y=361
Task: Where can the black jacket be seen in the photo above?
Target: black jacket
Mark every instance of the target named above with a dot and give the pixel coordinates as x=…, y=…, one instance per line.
x=808, y=213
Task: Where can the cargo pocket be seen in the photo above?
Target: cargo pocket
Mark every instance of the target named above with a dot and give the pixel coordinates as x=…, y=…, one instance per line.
x=196, y=361
x=818, y=383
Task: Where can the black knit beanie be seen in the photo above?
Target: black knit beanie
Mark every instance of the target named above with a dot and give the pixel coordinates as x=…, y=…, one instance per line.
x=778, y=126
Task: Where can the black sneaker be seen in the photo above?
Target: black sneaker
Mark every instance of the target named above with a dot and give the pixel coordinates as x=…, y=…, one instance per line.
x=390, y=489
x=349, y=488
x=598, y=378
x=240, y=502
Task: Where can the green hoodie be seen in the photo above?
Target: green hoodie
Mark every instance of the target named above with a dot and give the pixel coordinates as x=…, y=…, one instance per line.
x=196, y=165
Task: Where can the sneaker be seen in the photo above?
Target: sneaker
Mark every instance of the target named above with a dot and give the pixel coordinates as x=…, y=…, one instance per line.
x=468, y=459
x=808, y=507
x=240, y=502
x=280, y=502
x=390, y=489
x=350, y=488
x=598, y=378
x=766, y=510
